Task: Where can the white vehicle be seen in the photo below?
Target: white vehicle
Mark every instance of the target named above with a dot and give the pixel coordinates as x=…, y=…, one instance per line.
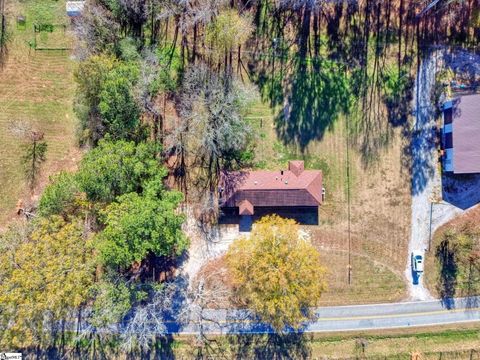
x=417, y=262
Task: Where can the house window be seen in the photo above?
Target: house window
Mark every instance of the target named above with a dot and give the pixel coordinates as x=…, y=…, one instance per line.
x=448, y=141
x=447, y=116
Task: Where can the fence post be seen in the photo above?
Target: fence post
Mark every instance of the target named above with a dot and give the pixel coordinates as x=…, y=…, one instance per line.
x=430, y=232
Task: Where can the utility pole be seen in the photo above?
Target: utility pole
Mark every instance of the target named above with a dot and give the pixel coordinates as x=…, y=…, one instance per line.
x=348, y=204
x=3, y=26
x=430, y=232
x=3, y=34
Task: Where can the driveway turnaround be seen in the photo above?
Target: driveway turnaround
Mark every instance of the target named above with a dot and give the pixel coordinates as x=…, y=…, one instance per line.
x=344, y=318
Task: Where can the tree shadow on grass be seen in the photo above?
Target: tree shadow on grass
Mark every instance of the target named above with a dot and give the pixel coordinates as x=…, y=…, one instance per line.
x=162, y=349
x=447, y=281
x=271, y=346
x=318, y=93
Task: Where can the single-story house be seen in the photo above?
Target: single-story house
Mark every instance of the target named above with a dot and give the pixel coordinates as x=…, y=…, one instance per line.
x=295, y=193
x=461, y=135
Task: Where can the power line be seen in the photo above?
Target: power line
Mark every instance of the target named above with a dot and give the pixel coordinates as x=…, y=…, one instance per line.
x=348, y=203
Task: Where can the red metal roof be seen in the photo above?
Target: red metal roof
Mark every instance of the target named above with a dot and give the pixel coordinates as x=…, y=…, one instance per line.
x=274, y=188
x=466, y=135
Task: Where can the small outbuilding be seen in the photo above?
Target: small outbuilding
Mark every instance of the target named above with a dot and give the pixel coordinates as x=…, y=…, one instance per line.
x=74, y=8
x=461, y=135
x=294, y=193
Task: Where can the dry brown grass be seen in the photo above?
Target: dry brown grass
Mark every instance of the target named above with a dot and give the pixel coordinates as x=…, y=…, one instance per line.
x=371, y=282
x=429, y=347
x=36, y=87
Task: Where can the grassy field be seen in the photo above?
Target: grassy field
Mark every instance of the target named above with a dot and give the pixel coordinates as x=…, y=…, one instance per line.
x=440, y=343
x=371, y=281
x=36, y=88
x=379, y=210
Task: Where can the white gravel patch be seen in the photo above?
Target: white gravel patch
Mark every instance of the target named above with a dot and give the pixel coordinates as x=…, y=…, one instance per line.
x=206, y=246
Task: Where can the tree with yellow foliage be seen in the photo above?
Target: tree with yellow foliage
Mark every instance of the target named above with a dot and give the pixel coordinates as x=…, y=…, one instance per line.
x=43, y=280
x=228, y=32
x=277, y=273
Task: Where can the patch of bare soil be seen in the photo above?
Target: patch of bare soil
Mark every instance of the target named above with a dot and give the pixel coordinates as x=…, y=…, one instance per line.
x=216, y=282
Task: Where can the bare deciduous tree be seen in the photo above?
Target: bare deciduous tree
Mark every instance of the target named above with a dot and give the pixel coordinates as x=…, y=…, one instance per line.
x=149, y=71
x=34, y=148
x=213, y=134
x=149, y=321
x=175, y=304
x=96, y=31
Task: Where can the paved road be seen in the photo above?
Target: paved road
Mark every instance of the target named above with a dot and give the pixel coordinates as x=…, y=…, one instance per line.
x=348, y=318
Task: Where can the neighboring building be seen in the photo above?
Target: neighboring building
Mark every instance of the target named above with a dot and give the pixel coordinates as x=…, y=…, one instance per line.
x=74, y=8
x=295, y=192
x=461, y=135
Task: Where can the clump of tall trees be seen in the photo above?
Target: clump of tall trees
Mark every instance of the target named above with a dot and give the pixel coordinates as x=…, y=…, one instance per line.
x=109, y=229
x=312, y=60
x=277, y=273
x=87, y=255
x=212, y=134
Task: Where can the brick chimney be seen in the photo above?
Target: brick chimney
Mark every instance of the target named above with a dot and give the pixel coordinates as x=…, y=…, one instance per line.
x=296, y=167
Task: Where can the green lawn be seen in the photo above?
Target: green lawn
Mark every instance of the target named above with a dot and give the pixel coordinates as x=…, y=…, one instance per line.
x=37, y=88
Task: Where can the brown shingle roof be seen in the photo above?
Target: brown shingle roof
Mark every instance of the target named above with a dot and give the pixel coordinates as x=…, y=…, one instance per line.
x=274, y=188
x=466, y=135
